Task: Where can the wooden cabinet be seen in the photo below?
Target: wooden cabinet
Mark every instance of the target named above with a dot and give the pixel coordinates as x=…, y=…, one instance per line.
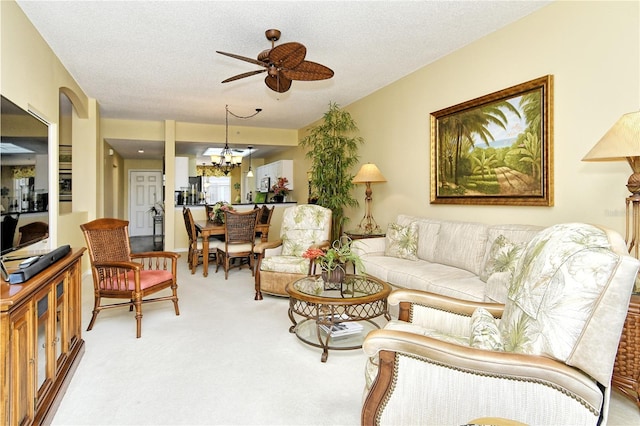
x=40, y=324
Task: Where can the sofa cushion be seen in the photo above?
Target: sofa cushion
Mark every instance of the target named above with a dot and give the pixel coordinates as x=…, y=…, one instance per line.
x=461, y=244
x=502, y=256
x=427, y=237
x=402, y=241
x=497, y=287
x=435, y=278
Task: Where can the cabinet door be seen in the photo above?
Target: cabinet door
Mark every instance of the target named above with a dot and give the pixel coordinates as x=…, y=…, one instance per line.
x=74, y=303
x=61, y=327
x=45, y=366
x=22, y=368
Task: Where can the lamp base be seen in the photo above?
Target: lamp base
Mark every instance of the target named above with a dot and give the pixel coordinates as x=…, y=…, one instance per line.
x=368, y=226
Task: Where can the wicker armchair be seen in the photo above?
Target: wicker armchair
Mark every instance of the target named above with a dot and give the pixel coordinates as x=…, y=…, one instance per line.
x=280, y=262
x=119, y=274
x=544, y=358
x=239, y=233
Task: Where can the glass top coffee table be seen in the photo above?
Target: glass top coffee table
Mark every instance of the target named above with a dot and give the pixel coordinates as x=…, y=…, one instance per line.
x=336, y=316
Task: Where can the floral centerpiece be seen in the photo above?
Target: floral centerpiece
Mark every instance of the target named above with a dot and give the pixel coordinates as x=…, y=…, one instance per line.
x=333, y=261
x=216, y=214
x=280, y=188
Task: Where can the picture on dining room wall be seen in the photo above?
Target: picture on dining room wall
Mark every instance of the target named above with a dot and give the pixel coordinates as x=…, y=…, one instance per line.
x=496, y=149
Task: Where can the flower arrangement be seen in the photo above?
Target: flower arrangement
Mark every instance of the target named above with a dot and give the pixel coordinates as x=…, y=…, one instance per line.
x=336, y=256
x=280, y=187
x=217, y=211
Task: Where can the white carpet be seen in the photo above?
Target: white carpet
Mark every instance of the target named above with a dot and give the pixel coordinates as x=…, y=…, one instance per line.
x=226, y=360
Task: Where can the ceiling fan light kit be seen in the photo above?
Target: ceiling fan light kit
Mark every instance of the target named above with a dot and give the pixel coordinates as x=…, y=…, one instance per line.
x=283, y=64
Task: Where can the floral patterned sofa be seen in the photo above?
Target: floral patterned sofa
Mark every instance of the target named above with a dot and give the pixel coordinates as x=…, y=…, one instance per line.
x=465, y=260
x=545, y=357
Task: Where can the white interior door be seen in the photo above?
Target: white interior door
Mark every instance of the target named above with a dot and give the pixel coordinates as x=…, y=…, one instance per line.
x=145, y=189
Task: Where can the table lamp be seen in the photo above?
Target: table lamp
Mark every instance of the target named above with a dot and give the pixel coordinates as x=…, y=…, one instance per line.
x=620, y=143
x=368, y=174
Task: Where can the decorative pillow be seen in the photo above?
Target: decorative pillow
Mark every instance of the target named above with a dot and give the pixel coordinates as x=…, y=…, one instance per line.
x=503, y=257
x=484, y=331
x=402, y=241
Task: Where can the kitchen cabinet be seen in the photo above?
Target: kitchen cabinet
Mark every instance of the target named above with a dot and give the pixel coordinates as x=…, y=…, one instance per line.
x=281, y=168
x=41, y=343
x=182, y=173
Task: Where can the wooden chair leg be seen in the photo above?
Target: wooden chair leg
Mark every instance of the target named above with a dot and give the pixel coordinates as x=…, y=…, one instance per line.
x=96, y=311
x=138, y=304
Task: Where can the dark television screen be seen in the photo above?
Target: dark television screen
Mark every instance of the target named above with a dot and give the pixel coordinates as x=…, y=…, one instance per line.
x=24, y=178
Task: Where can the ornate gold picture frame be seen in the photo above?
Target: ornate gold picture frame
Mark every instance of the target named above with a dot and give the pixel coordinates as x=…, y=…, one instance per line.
x=496, y=149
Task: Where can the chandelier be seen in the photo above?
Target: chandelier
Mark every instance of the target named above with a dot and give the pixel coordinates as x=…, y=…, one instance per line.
x=227, y=161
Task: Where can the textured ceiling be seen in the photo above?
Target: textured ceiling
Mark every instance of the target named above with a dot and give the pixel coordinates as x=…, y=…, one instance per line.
x=156, y=60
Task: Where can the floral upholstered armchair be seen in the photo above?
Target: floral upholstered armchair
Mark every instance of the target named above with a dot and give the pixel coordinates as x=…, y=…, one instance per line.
x=280, y=262
x=545, y=357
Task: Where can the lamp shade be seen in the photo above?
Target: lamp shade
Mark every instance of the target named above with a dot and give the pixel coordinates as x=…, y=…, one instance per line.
x=620, y=142
x=368, y=173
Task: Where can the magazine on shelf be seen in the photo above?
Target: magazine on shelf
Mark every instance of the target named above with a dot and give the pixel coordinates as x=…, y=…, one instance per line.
x=340, y=329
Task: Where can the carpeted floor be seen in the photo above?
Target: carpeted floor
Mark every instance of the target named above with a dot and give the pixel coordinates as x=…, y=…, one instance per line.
x=226, y=360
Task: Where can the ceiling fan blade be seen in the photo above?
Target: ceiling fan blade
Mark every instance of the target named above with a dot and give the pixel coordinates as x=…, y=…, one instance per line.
x=242, y=58
x=287, y=55
x=308, y=71
x=277, y=83
x=243, y=75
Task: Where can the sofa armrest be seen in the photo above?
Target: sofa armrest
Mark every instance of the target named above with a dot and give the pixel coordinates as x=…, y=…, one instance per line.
x=439, y=312
x=371, y=246
x=407, y=362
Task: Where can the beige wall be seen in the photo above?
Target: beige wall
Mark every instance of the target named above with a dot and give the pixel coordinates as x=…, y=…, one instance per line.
x=593, y=51
x=32, y=77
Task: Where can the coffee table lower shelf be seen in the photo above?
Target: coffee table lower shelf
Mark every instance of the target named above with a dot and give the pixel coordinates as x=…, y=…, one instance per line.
x=309, y=332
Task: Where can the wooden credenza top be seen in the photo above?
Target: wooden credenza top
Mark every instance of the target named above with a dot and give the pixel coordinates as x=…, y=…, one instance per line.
x=13, y=294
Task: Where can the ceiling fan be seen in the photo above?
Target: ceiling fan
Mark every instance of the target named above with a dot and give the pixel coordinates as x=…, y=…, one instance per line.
x=283, y=63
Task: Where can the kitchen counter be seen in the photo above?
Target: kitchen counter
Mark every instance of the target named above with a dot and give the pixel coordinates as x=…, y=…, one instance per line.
x=241, y=204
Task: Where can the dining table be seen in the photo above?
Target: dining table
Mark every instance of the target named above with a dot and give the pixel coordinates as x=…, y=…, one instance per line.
x=208, y=228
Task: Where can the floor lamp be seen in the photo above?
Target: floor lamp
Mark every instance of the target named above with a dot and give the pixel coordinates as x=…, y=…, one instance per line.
x=622, y=142
x=368, y=174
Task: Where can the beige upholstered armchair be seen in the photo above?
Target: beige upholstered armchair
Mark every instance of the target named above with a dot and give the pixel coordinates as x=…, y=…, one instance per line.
x=545, y=357
x=280, y=262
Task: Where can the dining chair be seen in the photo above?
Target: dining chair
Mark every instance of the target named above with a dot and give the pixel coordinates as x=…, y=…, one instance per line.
x=194, y=257
x=264, y=218
x=33, y=231
x=240, y=230
x=120, y=274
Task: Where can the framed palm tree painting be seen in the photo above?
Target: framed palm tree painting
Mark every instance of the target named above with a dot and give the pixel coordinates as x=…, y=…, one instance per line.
x=496, y=149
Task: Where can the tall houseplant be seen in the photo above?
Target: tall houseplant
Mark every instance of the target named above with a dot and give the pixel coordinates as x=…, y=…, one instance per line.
x=333, y=148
